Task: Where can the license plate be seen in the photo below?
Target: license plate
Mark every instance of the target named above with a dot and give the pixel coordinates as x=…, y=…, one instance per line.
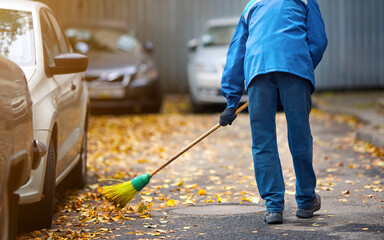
x=106, y=93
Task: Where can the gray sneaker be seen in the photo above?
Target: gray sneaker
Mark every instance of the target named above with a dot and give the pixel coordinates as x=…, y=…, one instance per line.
x=274, y=218
x=308, y=213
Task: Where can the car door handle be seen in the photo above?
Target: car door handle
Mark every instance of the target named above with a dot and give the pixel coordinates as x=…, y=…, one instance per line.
x=73, y=87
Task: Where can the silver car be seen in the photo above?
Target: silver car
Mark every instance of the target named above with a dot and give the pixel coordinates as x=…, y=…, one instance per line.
x=32, y=37
x=207, y=61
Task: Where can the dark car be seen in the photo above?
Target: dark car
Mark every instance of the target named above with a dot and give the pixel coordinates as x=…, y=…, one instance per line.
x=19, y=153
x=121, y=73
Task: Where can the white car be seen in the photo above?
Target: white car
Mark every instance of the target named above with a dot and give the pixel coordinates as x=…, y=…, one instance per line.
x=207, y=61
x=32, y=37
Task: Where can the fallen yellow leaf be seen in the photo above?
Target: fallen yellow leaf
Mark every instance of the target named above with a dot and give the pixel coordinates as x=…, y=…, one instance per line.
x=180, y=184
x=171, y=203
x=192, y=186
x=346, y=192
x=142, y=160
x=202, y=192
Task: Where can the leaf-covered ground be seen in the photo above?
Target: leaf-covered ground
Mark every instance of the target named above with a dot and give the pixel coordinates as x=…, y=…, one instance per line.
x=218, y=170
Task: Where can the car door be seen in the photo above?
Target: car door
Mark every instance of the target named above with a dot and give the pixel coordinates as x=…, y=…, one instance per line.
x=68, y=105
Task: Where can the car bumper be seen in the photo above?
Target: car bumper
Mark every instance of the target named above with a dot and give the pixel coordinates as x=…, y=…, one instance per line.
x=213, y=96
x=206, y=89
x=32, y=190
x=139, y=92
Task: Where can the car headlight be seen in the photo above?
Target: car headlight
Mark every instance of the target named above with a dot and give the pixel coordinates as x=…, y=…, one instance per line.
x=146, y=71
x=113, y=76
x=206, y=68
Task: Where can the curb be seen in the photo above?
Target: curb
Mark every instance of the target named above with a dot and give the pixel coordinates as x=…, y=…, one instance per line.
x=371, y=132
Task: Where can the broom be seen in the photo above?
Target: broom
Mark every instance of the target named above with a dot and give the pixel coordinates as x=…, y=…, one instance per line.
x=122, y=193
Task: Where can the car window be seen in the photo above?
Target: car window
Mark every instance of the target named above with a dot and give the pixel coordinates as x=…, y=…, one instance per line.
x=16, y=36
x=51, y=47
x=104, y=39
x=218, y=35
x=63, y=45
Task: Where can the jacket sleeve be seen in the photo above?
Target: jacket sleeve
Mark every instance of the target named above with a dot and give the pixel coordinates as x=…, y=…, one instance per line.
x=232, y=82
x=316, y=36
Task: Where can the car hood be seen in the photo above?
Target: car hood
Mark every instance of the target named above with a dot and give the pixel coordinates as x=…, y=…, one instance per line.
x=100, y=62
x=212, y=54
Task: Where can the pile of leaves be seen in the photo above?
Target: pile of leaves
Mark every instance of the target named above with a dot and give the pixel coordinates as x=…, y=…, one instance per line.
x=122, y=147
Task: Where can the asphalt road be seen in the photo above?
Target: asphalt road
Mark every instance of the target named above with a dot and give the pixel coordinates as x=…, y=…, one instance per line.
x=210, y=191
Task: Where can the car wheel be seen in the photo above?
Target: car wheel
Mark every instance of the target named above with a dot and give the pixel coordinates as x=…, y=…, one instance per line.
x=78, y=176
x=152, y=108
x=197, y=108
x=39, y=215
x=157, y=101
x=9, y=228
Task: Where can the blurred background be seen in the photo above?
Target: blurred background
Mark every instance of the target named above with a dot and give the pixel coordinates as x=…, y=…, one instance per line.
x=354, y=58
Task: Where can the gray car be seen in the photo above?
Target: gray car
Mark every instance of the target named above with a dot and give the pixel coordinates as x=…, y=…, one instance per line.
x=121, y=74
x=19, y=153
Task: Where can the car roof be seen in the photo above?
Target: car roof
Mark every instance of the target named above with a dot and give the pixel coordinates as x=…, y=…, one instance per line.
x=222, y=21
x=23, y=5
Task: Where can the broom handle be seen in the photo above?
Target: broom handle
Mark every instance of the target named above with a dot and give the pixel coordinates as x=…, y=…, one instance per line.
x=171, y=159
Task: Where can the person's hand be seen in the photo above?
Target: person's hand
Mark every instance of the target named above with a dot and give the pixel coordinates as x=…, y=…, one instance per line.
x=227, y=116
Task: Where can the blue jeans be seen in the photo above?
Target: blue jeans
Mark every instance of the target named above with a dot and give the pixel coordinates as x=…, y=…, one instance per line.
x=295, y=95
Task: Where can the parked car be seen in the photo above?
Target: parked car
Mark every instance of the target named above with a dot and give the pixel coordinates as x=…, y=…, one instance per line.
x=32, y=37
x=206, y=62
x=19, y=153
x=121, y=72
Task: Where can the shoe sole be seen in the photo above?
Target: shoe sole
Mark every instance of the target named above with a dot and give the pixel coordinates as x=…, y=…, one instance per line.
x=275, y=222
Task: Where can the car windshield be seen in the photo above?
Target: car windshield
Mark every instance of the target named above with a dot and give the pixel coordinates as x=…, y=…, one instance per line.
x=16, y=36
x=218, y=35
x=103, y=39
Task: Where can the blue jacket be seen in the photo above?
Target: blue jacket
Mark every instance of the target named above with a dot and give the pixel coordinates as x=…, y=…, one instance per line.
x=274, y=36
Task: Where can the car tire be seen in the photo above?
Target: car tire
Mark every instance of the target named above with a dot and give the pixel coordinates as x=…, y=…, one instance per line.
x=78, y=176
x=198, y=108
x=155, y=108
x=13, y=210
x=39, y=215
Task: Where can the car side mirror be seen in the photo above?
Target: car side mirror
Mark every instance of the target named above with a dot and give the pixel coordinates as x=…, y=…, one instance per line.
x=192, y=45
x=67, y=63
x=149, y=47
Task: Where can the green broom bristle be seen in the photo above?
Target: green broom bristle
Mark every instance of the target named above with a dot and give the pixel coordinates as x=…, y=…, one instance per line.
x=119, y=194
x=122, y=193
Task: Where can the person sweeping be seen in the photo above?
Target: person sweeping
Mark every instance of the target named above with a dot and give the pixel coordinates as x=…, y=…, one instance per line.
x=274, y=51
